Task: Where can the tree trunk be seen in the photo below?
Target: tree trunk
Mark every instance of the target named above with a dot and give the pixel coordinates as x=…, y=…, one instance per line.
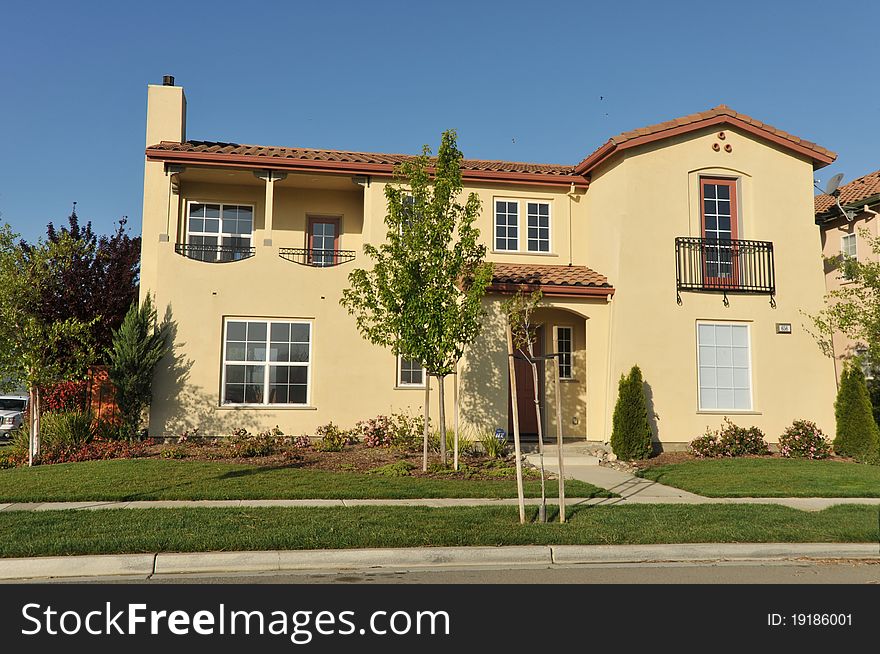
x=559, y=444
x=455, y=418
x=442, y=380
x=37, y=422
x=32, y=425
x=542, y=514
x=519, y=479
x=426, y=414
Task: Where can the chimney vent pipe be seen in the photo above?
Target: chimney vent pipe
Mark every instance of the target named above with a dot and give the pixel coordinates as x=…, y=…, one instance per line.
x=168, y=80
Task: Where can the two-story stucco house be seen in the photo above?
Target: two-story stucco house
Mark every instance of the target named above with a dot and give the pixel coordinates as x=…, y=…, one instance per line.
x=843, y=221
x=687, y=248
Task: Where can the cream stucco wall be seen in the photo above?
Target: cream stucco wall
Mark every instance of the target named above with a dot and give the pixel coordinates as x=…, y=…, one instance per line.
x=637, y=205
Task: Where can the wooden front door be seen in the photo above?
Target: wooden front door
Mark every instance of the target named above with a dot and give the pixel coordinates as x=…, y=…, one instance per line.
x=525, y=391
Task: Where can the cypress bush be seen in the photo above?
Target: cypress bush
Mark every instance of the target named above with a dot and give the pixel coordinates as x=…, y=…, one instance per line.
x=631, y=427
x=857, y=433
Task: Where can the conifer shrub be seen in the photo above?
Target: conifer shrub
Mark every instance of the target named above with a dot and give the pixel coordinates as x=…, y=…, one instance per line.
x=857, y=434
x=631, y=427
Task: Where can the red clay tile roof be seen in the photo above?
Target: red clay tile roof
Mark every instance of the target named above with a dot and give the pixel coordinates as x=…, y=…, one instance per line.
x=549, y=278
x=857, y=190
x=715, y=115
x=341, y=156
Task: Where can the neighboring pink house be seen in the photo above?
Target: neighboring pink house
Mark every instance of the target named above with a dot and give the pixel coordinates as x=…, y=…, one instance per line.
x=843, y=236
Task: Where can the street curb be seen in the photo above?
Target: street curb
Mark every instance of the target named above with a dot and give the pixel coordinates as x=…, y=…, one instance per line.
x=173, y=563
x=103, y=565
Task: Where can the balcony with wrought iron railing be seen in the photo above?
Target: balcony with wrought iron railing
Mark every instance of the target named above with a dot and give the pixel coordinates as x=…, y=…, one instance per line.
x=214, y=253
x=316, y=257
x=724, y=266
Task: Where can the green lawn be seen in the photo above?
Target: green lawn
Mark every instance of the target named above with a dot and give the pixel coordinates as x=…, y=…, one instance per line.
x=770, y=478
x=44, y=533
x=154, y=479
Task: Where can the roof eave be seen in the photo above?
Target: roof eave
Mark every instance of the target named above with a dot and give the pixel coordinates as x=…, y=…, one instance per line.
x=352, y=168
x=819, y=159
x=553, y=290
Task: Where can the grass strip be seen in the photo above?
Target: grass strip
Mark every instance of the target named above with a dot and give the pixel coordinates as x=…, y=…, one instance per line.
x=46, y=533
x=770, y=478
x=153, y=479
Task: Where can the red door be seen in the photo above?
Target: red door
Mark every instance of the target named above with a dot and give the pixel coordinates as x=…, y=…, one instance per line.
x=525, y=392
x=323, y=241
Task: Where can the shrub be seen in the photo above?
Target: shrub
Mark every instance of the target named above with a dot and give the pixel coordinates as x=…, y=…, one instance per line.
x=396, y=469
x=465, y=443
x=742, y=441
x=407, y=432
x=631, y=427
x=95, y=450
x=731, y=440
x=176, y=452
x=857, y=433
x=65, y=429
x=244, y=444
x=333, y=439
x=65, y=396
x=804, y=440
x=705, y=446
x=492, y=446
x=302, y=442
x=376, y=432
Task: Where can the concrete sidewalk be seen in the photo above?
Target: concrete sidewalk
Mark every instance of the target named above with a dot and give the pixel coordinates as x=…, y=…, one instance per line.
x=170, y=563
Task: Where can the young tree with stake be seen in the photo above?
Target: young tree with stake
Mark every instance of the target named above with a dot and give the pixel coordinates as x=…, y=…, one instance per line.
x=423, y=295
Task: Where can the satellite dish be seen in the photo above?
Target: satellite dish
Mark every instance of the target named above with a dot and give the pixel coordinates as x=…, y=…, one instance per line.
x=833, y=183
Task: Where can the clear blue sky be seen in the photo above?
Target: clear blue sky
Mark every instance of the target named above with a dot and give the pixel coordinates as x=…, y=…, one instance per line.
x=526, y=81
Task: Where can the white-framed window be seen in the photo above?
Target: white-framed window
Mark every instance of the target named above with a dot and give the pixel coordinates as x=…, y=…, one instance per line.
x=508, y=236
x=266, y=361
x=506, y=225
x=410, y=372
x=565, y=347
x=848, y=245
x=724, y=364
x=538, y=222
x=219, y=232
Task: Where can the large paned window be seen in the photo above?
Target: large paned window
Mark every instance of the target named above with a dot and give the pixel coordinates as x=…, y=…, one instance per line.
x=410, y=372
x=323, y=241
x=509, y=237
x=564, y=341
x=724, y=361
x=266, y=361
x=219, y=232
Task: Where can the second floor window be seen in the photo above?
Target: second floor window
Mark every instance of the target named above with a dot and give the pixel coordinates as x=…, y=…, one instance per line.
x=323, y=241
x=718, y=197
x=508, y=236
x=219, y=232
x=506, y=225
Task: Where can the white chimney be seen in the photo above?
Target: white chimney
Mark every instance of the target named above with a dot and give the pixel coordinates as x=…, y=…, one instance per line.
x=166, y=112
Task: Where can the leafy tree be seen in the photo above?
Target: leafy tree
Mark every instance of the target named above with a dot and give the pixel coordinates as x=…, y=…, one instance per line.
x=29, y=340
x=422, y=297
x=97, y=285
x=857, y=433
x=138, y=346
x=631, y=426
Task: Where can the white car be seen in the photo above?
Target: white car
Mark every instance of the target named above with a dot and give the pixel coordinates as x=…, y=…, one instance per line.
x=12, y=411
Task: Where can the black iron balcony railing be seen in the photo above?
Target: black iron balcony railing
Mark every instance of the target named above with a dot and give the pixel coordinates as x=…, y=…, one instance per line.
x=724, y=266
x=214, y=253
x=319, y=258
